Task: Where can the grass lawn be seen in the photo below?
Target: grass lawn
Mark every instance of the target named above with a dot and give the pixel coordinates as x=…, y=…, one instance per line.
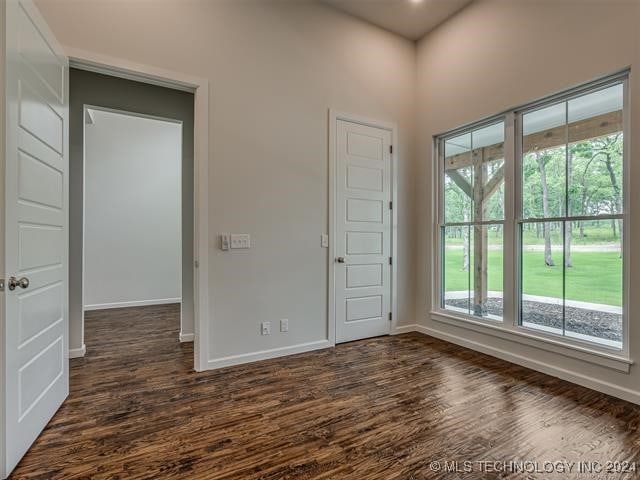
x=595, y=276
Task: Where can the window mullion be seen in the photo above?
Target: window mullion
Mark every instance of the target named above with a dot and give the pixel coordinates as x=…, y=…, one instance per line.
x=626, y=235
x=509, y=290
x=567, y=213
x=438, y=240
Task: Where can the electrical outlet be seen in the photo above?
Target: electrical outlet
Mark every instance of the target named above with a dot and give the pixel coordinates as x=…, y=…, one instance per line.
x=266, y=328
x=284, y=325
x=240, y=240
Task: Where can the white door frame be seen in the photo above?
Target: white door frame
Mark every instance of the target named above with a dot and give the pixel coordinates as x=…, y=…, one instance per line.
x=99, y=63
x=334, y=116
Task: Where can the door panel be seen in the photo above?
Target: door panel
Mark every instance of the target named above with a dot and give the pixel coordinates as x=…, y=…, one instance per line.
x=363, y=231
x=363, y=308
x=39, y=55
x=365, y=178
x=36, y=229
x=363, y=243
x=361, y=144
x=364, y=276
x=38, y=182
x=359, y=210
x=38, y=310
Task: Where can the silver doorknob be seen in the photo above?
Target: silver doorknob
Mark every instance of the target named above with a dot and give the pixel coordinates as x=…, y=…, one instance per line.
x=14, y=282
x=340, y=259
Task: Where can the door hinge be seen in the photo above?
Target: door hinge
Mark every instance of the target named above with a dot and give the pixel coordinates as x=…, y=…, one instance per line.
x=390, y=205
x=390, y=260
x=390, y=148
x=390, y=316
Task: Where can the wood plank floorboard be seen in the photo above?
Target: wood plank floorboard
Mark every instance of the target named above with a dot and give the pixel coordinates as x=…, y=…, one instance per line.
x=382, y=408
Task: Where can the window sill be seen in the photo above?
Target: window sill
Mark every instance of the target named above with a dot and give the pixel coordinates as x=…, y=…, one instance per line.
x=538, y=340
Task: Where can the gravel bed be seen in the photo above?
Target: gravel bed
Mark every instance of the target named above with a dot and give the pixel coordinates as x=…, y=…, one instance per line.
x=578, y=320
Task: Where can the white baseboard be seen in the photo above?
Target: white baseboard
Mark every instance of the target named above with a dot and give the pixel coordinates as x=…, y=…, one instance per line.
x=187, y=337
x=543, y=367
x=266, y=354
x=137, y=303
x=78, y=352
x=400, y=329
x=570, y=376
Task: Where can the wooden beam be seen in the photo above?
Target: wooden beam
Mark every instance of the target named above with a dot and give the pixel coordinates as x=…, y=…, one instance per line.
x=463, y=160
x=494, y=183
x=490, y=188
x=480, y=237
x=594, y=127
x=460, y=181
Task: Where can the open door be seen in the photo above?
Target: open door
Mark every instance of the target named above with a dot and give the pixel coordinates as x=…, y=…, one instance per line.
x=36, y=365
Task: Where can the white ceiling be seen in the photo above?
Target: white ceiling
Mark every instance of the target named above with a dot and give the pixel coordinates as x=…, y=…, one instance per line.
x=411, y=19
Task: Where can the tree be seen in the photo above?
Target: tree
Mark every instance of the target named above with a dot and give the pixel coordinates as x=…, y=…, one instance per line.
x=612, y=146
x=548, y=257
x=568, y=226
x=599, y=189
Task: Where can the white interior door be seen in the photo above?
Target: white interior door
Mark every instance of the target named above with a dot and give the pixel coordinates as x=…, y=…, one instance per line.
x=36, y=229
x=363, y=231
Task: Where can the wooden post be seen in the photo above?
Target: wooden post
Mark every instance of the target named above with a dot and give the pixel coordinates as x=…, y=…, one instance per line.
x=593, y=127
x=480, y=235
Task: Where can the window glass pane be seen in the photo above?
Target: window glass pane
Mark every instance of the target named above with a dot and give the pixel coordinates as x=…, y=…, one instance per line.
x=544, y=162
x=487, y=157
x=473, y=276
x=458, y=179
x=542, y=290
x=593, y=305
x=474, y=192
x=474, y=175
x=486, y=278
x=457, y=267
x=495, y=269
x=595, y=152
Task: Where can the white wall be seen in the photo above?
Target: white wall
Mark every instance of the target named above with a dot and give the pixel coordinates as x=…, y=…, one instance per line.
x=132, y=211
x=275, y=68
x=498, y=54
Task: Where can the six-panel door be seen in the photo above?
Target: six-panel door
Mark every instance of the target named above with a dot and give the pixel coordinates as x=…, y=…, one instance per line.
x=363, y=231
x=36, y=239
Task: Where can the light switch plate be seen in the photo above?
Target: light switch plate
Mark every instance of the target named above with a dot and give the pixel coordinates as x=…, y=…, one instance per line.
x=284, y=325
x=224, y=241
x=324, y=240
x=240, y=240
x=265, y=328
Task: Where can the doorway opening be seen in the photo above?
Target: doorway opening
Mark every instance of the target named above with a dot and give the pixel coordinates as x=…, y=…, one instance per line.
x=131, y=196
x=132, y=211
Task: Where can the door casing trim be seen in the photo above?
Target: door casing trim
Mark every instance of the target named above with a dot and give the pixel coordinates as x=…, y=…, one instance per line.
x=334, y=116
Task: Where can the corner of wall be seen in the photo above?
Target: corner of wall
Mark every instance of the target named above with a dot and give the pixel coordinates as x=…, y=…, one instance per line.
x=3, y=30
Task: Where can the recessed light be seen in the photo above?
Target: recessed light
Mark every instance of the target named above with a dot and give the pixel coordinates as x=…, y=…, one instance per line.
x=415, y=1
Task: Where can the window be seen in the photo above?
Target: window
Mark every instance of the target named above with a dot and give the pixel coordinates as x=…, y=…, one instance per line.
x=531, y=219
x=474, y=221
x=572, y=217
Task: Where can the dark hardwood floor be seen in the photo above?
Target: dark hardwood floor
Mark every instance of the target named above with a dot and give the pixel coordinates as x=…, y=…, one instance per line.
x=383, y=408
